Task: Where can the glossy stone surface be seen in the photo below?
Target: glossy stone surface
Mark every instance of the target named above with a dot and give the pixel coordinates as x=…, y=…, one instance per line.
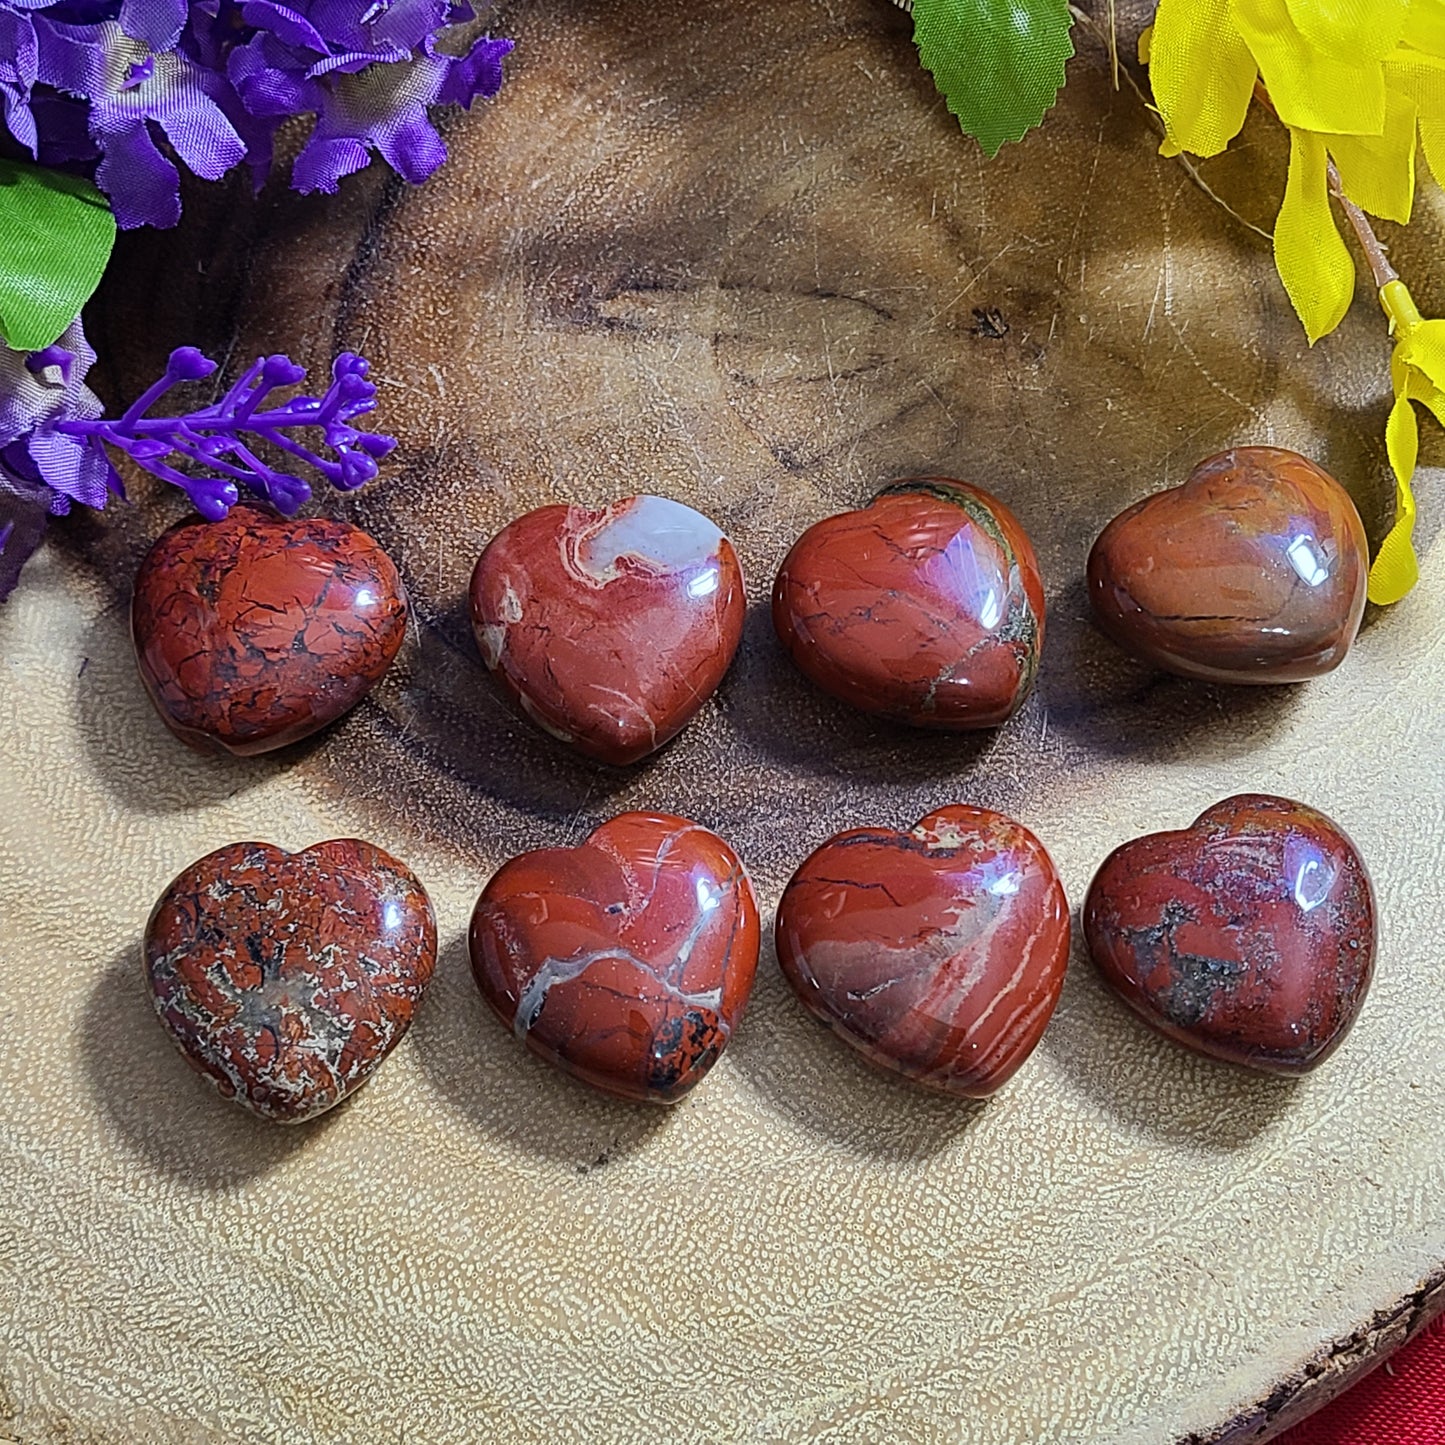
x=938, y=953
x=924, y=606
x=625, y=961
x=1249, y=936
x=609, y=628
x=255, y=631
x=286, y=978
x=1252, y=571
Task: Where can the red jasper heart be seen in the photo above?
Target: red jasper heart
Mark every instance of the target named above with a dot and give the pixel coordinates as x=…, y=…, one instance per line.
x=257, y=630
x=625, y=961
x=1252, y=571
x=1249, y=936
x=286, y=978
x=924, y=606
x=609, y=628
x=938, y=953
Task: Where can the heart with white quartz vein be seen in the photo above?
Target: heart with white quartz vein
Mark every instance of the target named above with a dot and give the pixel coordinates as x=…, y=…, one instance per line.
x=609, y=628
x=626, y=961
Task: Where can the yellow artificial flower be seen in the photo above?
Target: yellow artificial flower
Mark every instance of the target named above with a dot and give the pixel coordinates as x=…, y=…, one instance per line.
x=1357, y=84
x=1417, y=371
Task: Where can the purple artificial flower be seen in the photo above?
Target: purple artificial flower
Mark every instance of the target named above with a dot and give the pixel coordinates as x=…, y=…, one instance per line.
x=42, y=470
x=99, y=83
x=39, y=390
x=129, y=87
x=53, y=438
x=369, y=72
x=218, y=441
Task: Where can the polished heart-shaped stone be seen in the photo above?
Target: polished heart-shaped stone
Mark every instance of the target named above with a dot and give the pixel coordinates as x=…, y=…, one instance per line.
x=924, y=606
x=938, y=953
x=1251, y=571
x=609, y=628
x=1249, y=936
x=257, y=630
x=625, y=961
x=286, y=978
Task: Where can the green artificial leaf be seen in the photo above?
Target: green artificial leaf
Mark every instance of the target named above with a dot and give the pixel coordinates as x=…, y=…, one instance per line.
x=999, y=63
x=56, y=232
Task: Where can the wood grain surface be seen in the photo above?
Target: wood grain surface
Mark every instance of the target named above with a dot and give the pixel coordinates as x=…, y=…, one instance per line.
x=738, y=254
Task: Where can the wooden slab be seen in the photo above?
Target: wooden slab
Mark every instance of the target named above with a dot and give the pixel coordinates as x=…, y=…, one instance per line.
x=737, y=253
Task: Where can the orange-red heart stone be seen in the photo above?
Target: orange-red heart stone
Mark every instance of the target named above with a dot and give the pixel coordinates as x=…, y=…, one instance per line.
x=938, y=953
x=625, y=961
x=1249, y=936
x=924, y=606
x=1254, y=570
x=286, y=978
x=610, y=628
x=257, y=630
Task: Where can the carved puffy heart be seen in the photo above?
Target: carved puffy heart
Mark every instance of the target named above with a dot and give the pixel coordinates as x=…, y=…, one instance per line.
x=257, y=630
x=938, y=953
x=626, y=961
x=286, y=978
x=1249, y=935
x=924, y=606
x=1252, y=571
x=610, y=628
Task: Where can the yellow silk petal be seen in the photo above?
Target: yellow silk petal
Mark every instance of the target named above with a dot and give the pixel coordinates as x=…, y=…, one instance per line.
x=1396, y=569
x=1422, y=78
x=1377, y=172
x=1425, y=28
x=1432, y=142
x=1310, y=89
x=1311, y=258
x=1350, y=29
x=1422, y=350
x=1145, y=36
x=1202, y=74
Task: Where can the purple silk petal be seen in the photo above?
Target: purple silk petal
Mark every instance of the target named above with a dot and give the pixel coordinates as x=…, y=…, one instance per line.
x=31, y=395
x=71, y=59
x=18, y=61
x=382, y=109
x=478, y=72
x=287, y=25
x=409, y=24
x=143, y=186
x=71, y=467
x=202, y=136
x=158, y=23
x=340, y=22
x=53, y=357
x=409, y=144
x=266, y=86
x=324, y=161
x=354, y=60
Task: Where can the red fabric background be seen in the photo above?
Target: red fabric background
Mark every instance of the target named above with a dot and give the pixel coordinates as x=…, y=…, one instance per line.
x=1401, y=1403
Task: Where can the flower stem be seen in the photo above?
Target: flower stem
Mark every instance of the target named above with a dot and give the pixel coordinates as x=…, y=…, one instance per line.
x=1370, y=243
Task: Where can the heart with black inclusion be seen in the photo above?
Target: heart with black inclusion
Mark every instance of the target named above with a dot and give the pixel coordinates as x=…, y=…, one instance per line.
x=257, y=630
x=1248, y=936
x=285, y=979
